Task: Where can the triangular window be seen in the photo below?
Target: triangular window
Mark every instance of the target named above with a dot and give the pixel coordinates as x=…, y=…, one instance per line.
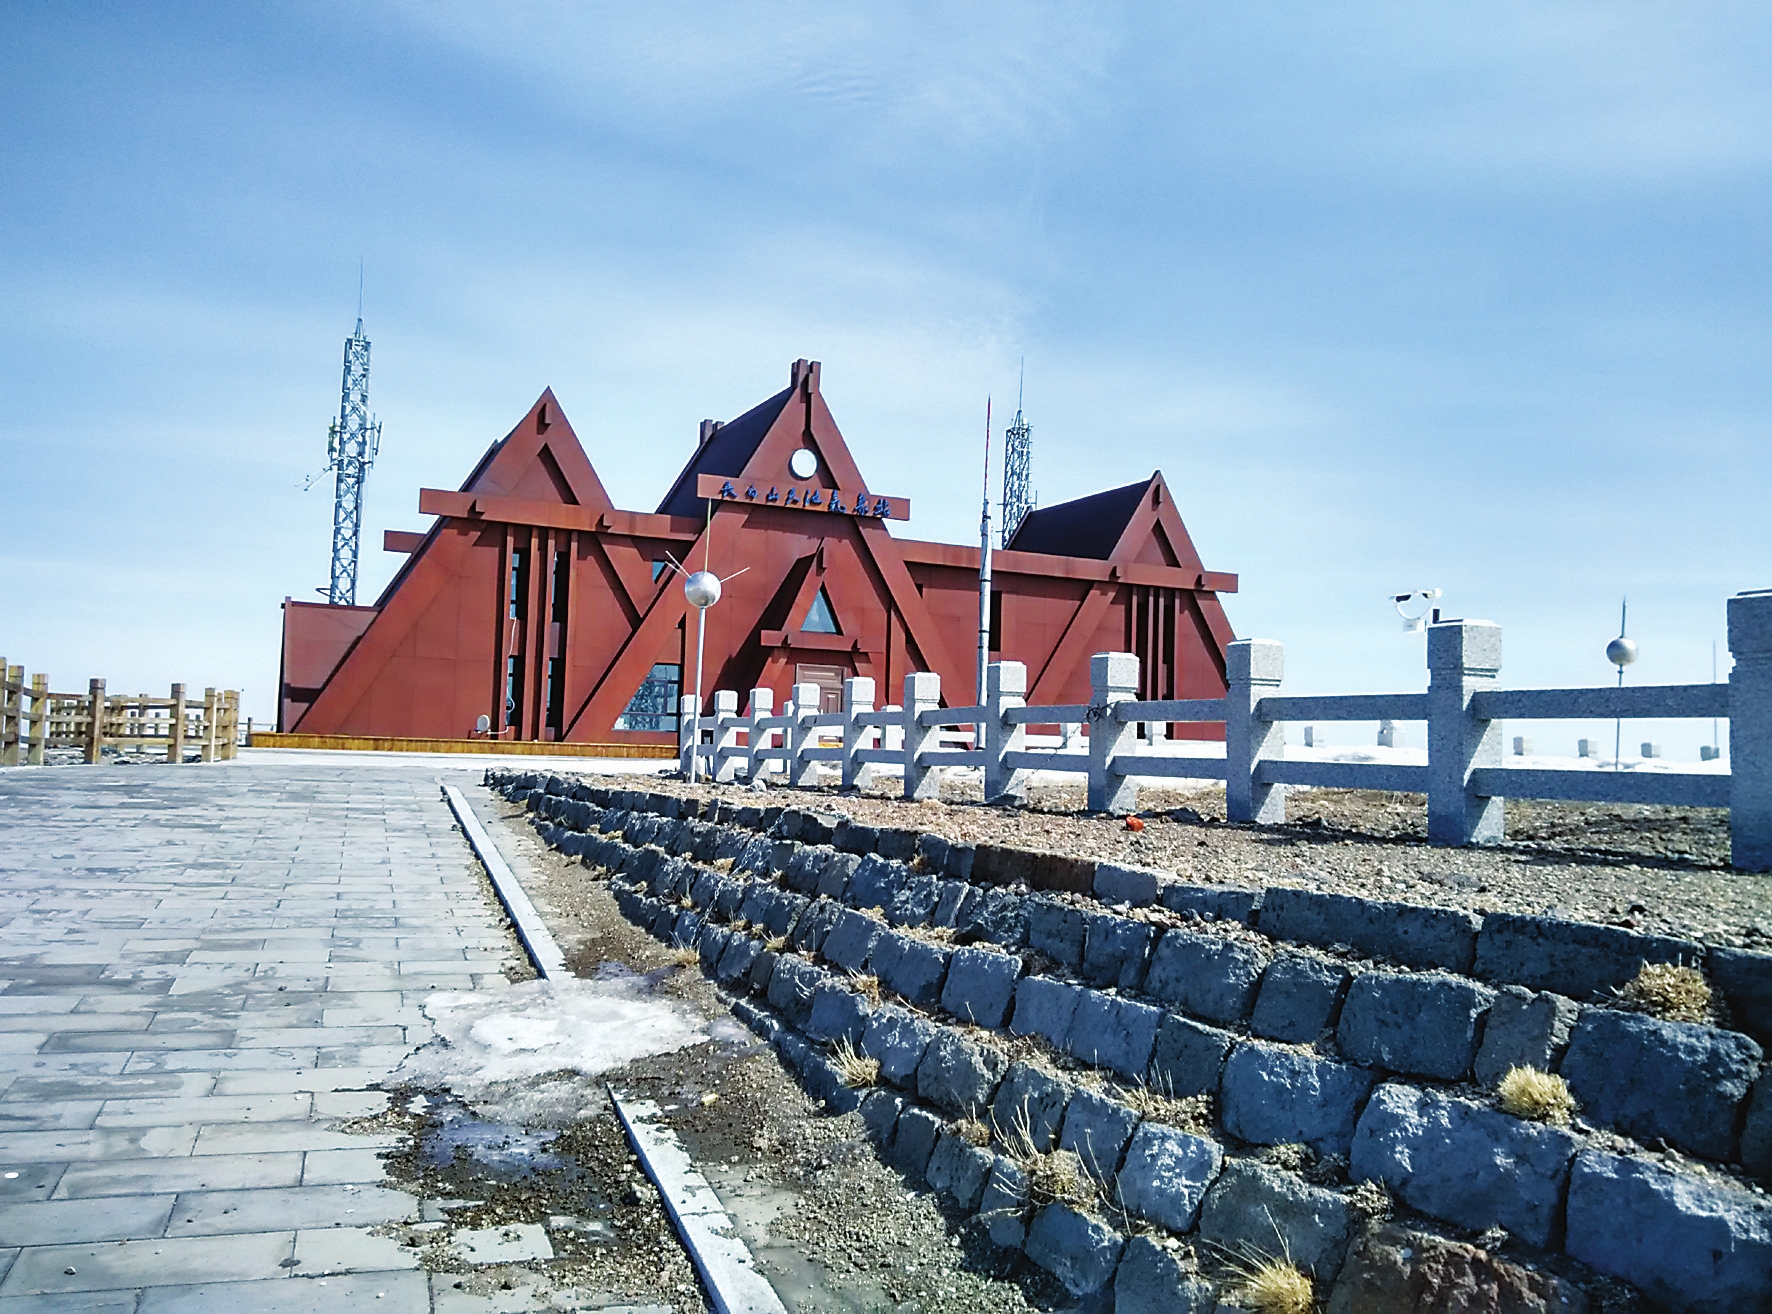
x=820, y=619
x=654, y=704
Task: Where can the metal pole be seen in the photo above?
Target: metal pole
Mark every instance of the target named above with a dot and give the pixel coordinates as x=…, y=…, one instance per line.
x=701, y=626
x=984, y=569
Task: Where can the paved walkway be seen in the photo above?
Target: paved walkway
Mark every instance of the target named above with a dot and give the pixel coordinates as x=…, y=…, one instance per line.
x=201, y=971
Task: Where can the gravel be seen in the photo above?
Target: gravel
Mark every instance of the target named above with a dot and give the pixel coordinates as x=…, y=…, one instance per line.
x=1657, y=869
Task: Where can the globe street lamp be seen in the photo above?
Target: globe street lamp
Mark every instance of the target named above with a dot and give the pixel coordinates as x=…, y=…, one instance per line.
x=1621, y=652
x=702, y=590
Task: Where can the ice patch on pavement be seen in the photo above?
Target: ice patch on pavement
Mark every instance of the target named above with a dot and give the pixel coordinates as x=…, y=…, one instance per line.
x=487, y=1040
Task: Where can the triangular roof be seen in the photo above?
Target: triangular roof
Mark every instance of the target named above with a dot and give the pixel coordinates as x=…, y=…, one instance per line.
x=1084, y=527
x=726, y=452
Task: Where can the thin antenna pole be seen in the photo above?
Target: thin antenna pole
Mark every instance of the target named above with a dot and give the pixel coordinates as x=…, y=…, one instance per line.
x=1618, y=725
x=359, y=291
x=984, y=568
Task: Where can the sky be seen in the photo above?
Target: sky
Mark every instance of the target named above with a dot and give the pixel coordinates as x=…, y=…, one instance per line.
x=1397, y=296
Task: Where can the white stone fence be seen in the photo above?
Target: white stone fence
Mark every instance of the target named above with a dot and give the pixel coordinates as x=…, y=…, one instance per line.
x=1464, y=708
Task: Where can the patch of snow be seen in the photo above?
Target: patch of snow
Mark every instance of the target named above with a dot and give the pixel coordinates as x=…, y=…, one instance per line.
x=487, y=1040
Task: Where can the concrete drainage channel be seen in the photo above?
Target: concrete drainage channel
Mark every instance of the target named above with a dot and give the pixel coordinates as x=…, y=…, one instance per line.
x=721, y=1259
x=1238, y=1074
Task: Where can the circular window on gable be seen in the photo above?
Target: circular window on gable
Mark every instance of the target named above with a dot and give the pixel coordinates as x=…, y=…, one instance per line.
x=803, y=463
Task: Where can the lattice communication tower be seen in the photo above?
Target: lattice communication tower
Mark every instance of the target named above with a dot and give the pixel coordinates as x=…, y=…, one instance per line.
x=352, y=444
x=1018, y=458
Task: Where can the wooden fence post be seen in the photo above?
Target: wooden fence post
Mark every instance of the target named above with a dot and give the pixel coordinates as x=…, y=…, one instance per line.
x=231, y=744
x=95, y=722
x=175, y=743
x=207, y=753
x=39, y=718
x=12, y=728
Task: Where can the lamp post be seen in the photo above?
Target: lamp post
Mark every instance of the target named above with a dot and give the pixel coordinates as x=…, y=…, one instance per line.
x=1621, y=652
x=702, y=589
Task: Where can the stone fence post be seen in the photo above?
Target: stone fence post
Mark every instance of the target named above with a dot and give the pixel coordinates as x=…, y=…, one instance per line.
x=1463, y=658
x=1253, y=670
x=724, y=770
x=1006, y=686
x=858, y=700
x=762, y=708
x=1113, y=678
x=922, y=693
x=688, y=733
x=802, y=770
x=1750, y=731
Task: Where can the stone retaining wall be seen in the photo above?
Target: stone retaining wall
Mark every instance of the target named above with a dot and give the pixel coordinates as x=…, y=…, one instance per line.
x=1363, y=1030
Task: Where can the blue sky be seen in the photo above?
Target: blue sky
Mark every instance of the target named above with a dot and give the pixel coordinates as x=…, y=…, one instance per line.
x=1477, y=297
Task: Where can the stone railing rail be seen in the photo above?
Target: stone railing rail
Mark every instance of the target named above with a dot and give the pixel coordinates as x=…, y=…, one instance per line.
x=1464, y=779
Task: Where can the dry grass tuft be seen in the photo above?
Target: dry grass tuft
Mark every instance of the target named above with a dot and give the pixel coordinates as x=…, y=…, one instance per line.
x=854, y=1069
x=1058, y=1178
x=1276, y=1286
x=741, y=924
x=776, y=943
x=684, y=901
x=867, y=986
x=1672, y=992
x=1158, y=1103
x=722, y=864
x=973, y=1132
x=1540, y=1096
x=686, y=957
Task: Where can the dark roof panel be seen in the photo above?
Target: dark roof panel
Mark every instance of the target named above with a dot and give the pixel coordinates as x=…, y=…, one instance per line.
x=725, y=454
x=1088, y=527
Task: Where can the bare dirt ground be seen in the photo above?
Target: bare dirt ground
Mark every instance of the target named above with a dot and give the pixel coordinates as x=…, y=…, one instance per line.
x=829, y=1224
x=1658, y=869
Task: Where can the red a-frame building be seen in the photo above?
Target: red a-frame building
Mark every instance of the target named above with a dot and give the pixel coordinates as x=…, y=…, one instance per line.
x=533, y=602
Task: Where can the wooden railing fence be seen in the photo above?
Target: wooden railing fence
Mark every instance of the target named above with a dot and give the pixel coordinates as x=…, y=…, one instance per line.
x=35, y=718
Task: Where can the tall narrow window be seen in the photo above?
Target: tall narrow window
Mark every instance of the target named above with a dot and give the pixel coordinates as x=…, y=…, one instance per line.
x=820, y=619
x=513, y=689
x=556, y=693
x=562, y=577
x=996, y=620
x=519, y=586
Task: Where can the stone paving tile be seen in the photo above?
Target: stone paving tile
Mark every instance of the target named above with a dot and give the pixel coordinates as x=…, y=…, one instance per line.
x=97, y=1302
x=351, y=1250
x=30, y=1181
x=159, y=1112
x=339, y=1167
x=53, y=1222
x=206, y=1213
x=59, y=1115
x=213, y=1172
x=98, y=1143
x=163, y=1261
x=385, y=1293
